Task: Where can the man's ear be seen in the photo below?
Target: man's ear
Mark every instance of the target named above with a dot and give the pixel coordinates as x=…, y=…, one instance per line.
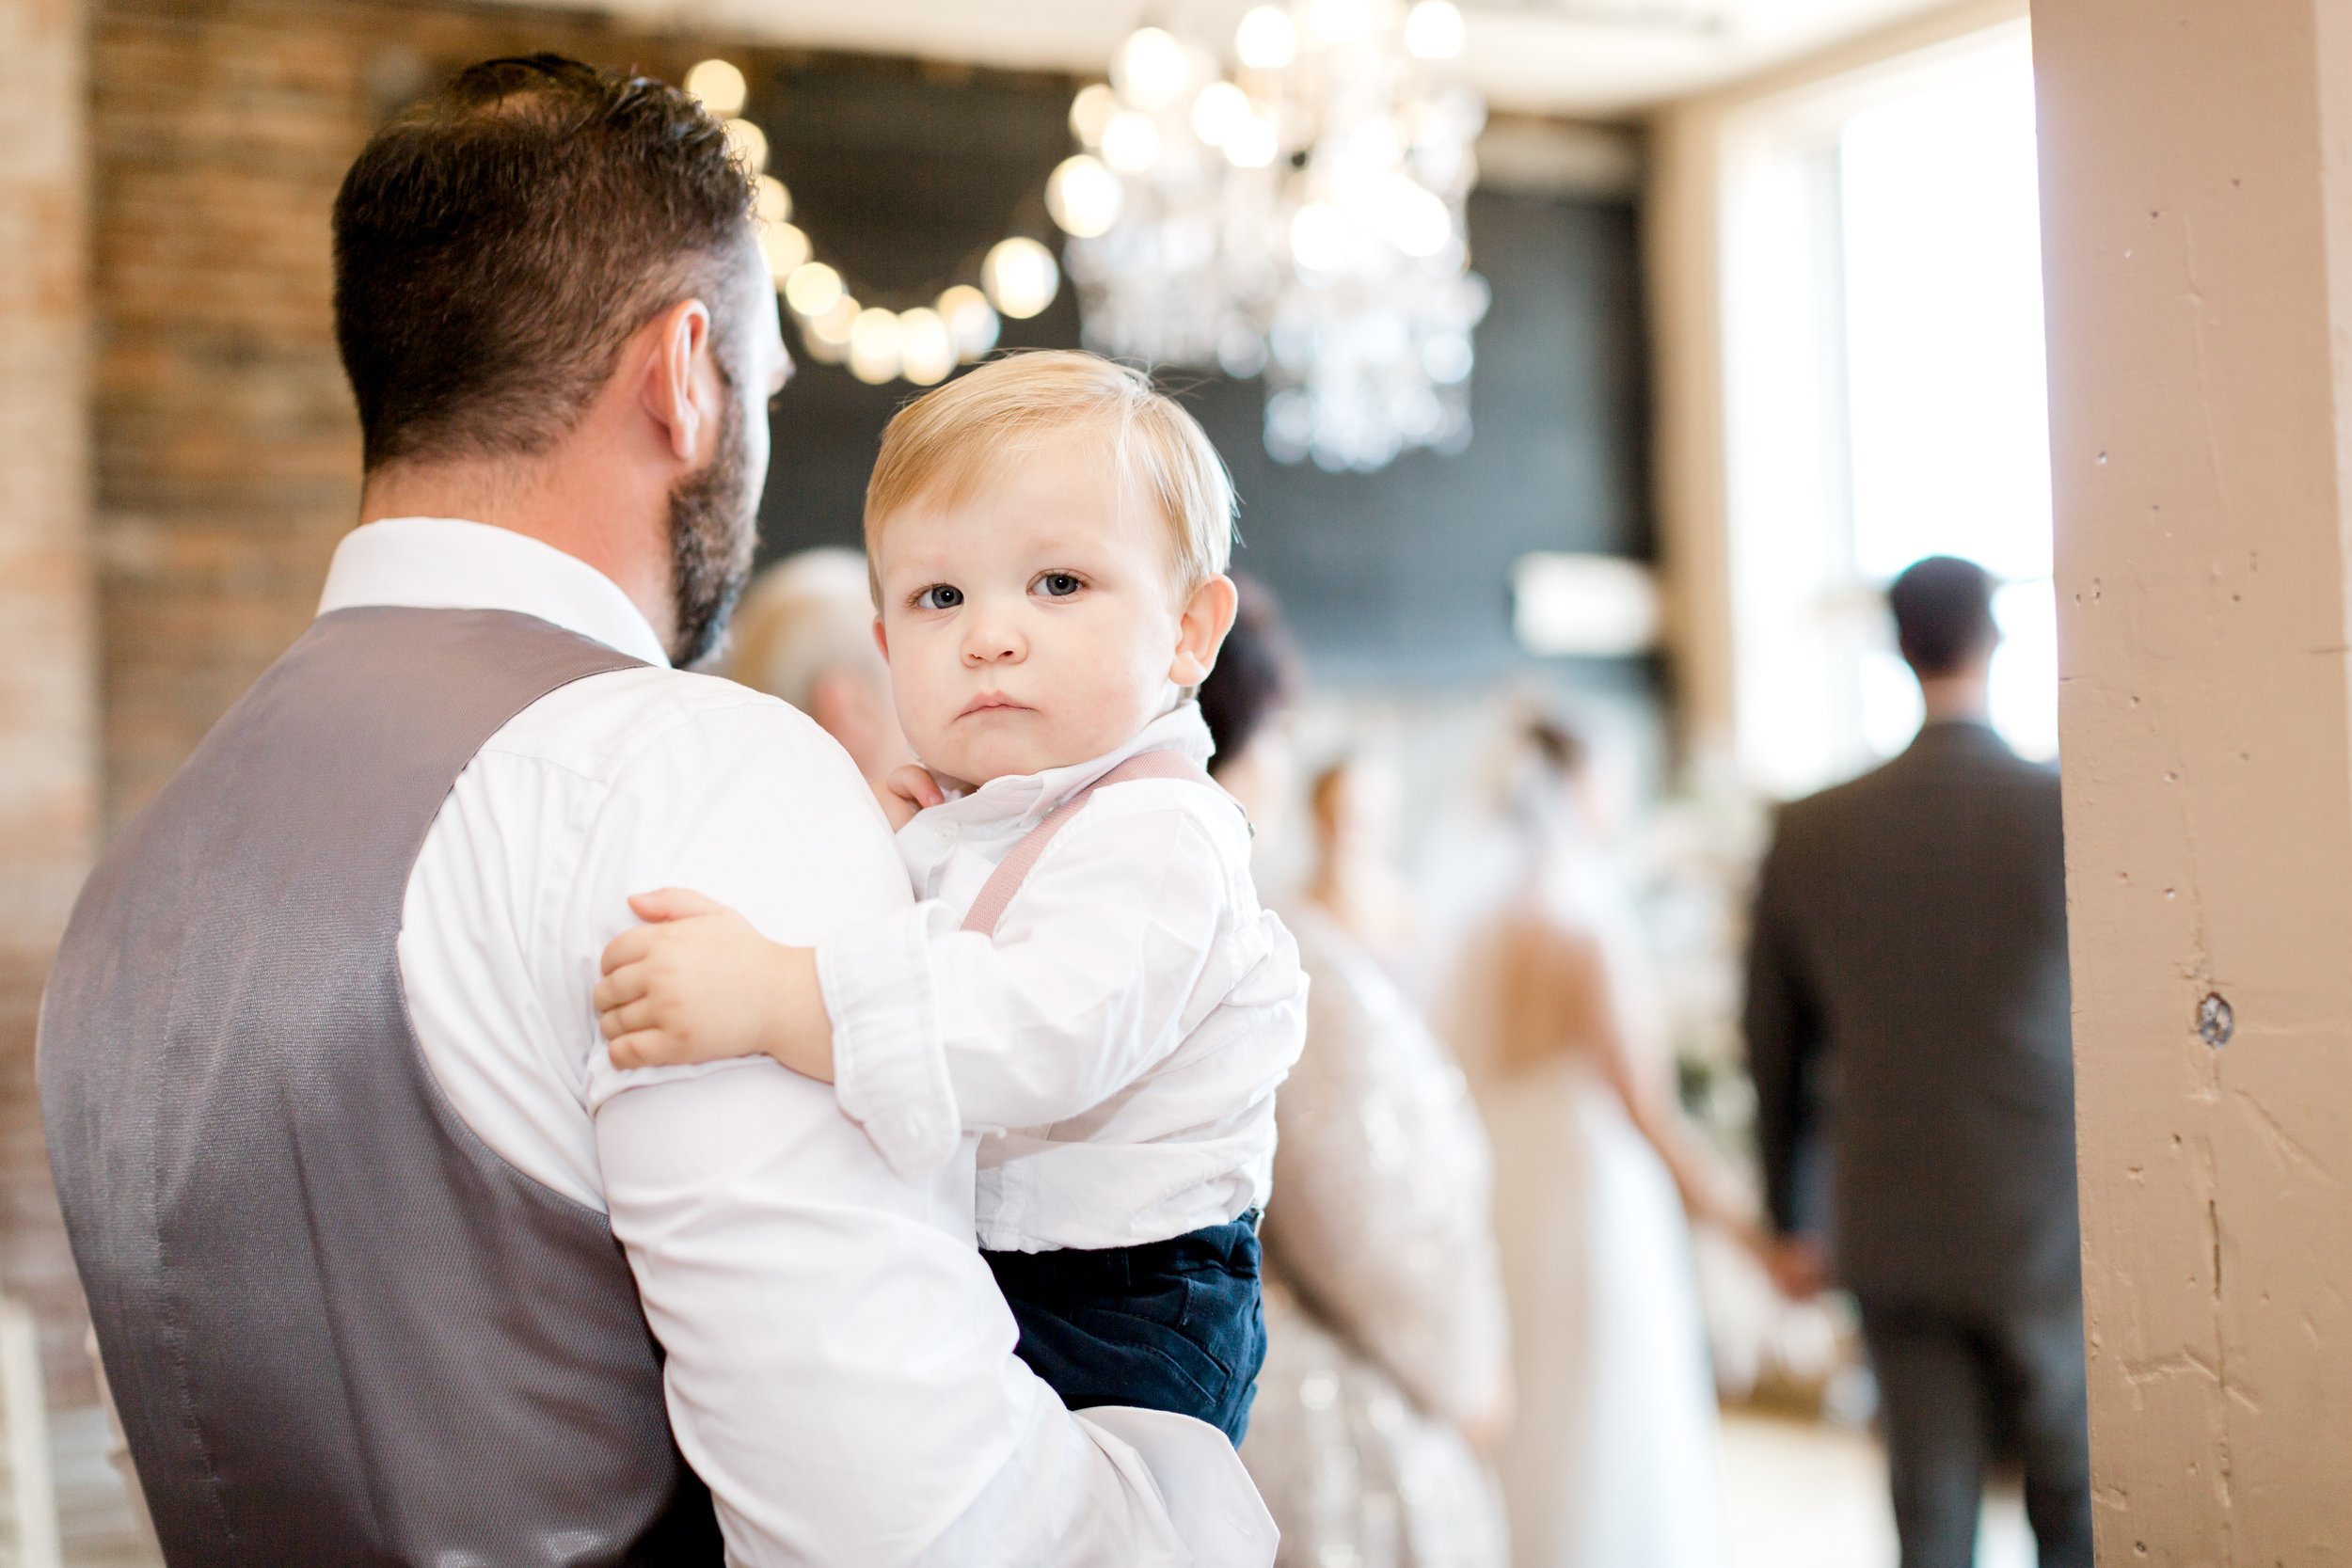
x=1207, y=617
x=681, y=385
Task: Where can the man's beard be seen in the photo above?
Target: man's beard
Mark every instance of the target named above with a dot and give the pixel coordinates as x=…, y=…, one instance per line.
x=714, y=528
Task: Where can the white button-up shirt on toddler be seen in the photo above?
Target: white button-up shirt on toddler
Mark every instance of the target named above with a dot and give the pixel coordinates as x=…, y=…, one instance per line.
x=1117, y=1042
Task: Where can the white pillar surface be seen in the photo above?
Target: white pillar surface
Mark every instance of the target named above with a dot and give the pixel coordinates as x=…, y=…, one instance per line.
x=2197, y=201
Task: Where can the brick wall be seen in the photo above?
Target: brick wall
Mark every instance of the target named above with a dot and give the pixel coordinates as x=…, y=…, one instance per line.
x=228, y=456
x=219, y=444
x=46, y=788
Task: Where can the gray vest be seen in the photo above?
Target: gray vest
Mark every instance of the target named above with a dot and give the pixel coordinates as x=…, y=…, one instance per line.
x=340, y=1328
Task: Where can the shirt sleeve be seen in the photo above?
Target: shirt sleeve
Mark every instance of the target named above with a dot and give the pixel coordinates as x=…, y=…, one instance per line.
x=838, y=1363
x=1090, y=979
x=1782, y=1030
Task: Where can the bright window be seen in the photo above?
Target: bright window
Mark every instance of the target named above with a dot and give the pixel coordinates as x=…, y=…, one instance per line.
x=1945, y=405
x=1883, y=397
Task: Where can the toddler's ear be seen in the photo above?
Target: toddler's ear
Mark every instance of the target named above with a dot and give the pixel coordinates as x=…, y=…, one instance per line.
x=882, y=638
x=1200, y=632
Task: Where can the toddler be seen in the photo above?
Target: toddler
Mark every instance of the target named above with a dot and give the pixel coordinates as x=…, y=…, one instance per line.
x=1088, y=981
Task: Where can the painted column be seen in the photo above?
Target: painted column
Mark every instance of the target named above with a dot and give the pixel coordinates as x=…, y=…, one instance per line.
x=47, y=704
x=2197, y=201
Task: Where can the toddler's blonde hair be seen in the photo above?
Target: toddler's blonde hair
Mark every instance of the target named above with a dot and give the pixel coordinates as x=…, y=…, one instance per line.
x=948, y=442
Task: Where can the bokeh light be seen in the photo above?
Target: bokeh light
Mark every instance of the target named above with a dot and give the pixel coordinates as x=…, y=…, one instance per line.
x=720, y=86
x=1083, y=197
x=972, y=322
x=1433, y=30
x=927, y=349
x=812, y=290
x=750, y=144
x=1020, y=277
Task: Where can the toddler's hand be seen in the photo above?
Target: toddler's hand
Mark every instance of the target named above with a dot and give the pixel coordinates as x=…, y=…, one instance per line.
x=906, y=791
x=698, y=984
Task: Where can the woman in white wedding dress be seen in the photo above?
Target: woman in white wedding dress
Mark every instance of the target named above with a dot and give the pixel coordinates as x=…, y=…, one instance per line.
x=1611, y=1461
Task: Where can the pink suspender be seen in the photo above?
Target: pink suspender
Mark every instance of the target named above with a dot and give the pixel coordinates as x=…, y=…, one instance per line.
x=1013, y=869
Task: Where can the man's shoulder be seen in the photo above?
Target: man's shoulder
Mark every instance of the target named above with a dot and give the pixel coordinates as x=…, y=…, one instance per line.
x=594, y=727
x=1820, y=811
x=1916, y=791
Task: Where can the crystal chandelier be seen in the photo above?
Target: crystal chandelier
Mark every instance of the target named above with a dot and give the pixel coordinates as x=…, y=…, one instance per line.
x=1302, y=218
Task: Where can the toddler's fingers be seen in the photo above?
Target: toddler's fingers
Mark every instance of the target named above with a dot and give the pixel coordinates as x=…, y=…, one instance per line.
x=625, y=983
x=627, y=949
x=915, y=783
x=673, y=903
x=627, y=1019
x=641, y=1049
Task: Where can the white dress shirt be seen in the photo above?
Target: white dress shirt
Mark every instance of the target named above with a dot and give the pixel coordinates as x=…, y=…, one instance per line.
x=839, y=1364
x=1121, y=1036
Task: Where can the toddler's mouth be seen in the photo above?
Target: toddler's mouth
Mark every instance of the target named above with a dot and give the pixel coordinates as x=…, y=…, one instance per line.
x=991, y=701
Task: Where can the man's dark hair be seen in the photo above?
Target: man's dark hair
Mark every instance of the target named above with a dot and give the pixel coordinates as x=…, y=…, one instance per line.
x=1943, y=613
x=496, y=245
x=1256, y=673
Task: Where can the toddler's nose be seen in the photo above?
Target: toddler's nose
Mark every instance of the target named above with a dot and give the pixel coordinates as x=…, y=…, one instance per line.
x=990, y=644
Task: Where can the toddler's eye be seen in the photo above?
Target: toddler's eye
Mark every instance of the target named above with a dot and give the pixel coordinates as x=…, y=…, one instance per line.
x=1059, y=585
x=939, y=595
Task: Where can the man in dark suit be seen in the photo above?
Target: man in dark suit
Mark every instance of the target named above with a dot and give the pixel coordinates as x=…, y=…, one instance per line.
x=1907, y=1026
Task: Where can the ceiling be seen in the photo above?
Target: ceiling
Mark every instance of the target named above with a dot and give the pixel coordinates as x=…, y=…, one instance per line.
x=1598, y=59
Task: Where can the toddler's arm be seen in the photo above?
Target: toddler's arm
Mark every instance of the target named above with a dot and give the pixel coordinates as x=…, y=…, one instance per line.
x=697, y=983
x=1109, y=954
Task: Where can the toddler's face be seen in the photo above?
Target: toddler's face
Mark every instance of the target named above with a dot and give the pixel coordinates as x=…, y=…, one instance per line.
x=1036, y=623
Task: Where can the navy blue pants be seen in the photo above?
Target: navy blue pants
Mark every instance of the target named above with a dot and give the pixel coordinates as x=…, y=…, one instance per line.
x=1168, y=1325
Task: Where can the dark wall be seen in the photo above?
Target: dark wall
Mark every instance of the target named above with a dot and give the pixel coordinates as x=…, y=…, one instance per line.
x=904, y=175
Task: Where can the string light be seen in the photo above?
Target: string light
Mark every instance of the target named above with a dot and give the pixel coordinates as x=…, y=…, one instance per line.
x=786, y=250
x=750, y=144
x=972, y=322
x=811, y=289
x=720, y=86
x=924, y=344
x=1083, y=195
x=874, y=342
x=771, y=203
x=1091, y=111
x=1020, y=277
x=827, y=333
x=927, y=349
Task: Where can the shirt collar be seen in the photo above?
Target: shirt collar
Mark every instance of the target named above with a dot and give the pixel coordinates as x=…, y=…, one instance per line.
x=1025, y=796
x=448, y=564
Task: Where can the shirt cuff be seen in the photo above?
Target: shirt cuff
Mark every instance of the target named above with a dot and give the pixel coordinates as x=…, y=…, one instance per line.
x=1211, y=1501
x=889, y=1064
